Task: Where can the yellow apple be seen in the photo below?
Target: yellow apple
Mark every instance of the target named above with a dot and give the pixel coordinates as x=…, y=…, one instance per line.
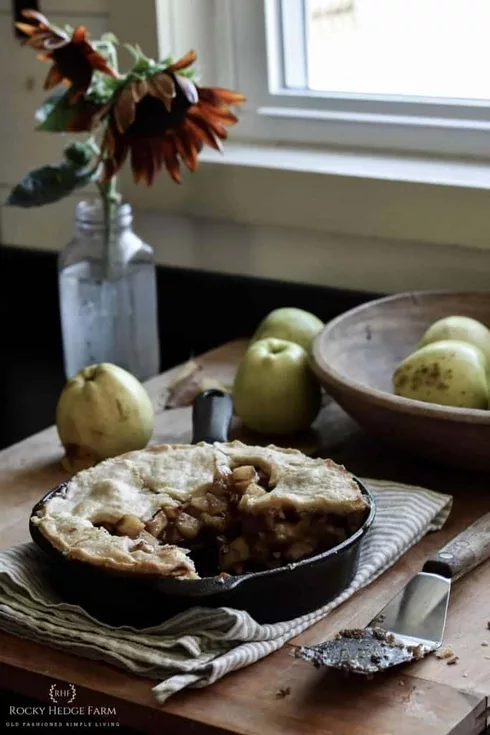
x=289, y=323
x=448, y=372
x=275, y=391
x=103, y=411
x=461, y=328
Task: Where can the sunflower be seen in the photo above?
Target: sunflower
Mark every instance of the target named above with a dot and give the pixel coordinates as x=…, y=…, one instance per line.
x=74, y=59
x=164, y=119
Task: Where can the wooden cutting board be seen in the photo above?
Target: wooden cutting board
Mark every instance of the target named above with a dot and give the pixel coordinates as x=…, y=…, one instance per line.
x=279, y=694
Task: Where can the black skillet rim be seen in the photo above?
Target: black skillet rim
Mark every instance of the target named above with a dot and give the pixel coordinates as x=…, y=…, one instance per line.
x=205, y=585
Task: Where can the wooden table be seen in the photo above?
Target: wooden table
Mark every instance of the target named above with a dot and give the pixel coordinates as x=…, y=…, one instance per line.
x=426, y=698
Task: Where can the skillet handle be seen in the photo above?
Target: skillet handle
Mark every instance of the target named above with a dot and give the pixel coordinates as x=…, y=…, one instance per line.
x=211, y=416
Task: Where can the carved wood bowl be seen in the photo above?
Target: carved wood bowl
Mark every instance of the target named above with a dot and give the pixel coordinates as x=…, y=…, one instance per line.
x=355, y=355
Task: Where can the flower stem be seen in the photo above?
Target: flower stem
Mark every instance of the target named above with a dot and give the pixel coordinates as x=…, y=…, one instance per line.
x=110, y=201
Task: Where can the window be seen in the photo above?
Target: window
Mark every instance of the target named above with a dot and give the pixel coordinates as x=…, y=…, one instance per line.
x=402, y=74
x=418, y=48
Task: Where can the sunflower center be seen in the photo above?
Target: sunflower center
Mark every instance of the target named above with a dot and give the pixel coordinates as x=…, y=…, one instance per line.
x=73, y=64
x=152, y=117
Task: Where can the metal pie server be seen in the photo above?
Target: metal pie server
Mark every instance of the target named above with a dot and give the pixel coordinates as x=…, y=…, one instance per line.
x=412, y=624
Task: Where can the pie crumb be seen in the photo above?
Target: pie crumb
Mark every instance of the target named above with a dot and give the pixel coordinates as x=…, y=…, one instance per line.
x=453, y=660
x=446, y=652
x=283, y=692
x=484, y=643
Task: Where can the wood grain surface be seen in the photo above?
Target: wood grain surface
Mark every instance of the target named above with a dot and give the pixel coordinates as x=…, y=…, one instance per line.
x=281, y=694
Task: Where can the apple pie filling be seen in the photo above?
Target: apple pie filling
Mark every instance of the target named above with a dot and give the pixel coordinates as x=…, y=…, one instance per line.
x=155, y=510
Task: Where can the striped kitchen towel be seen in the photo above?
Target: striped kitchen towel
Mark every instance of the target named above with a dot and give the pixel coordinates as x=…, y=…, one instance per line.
x=197, y=647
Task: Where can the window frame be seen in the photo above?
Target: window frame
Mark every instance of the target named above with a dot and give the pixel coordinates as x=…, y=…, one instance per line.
x=369, y=194
x=238, y=42
x=276, y=113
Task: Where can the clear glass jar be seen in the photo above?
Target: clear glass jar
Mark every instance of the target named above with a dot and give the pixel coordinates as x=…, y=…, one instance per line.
x=108, y=297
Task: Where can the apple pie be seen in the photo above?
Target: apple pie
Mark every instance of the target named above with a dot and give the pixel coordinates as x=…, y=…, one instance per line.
x=151, y=511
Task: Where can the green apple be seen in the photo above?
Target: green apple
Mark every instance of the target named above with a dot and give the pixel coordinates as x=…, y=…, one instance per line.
x=102, y=411
x=462, y=328
x=448, y=372
x=289, y=323
x=275, y=391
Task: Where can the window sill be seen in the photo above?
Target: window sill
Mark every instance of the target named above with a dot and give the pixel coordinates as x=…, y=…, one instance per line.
x=358, y=164
x=402, y=198
x=358, y=221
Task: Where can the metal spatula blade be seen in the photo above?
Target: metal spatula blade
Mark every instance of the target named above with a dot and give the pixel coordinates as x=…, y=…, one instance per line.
x=408, y=627
x=412, y=624
x=417, y=614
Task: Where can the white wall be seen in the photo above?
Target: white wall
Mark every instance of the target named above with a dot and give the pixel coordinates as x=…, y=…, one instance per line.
x=21, y=148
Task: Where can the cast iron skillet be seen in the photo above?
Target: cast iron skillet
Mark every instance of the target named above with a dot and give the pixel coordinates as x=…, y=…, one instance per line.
x=122, y=598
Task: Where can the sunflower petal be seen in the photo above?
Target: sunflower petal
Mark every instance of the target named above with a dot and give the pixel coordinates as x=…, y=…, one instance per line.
x=202, y=131
x=85, y=120
x=183, y=63
x=220, y=96
x=79, y=35
x=114, y=162
x=142, y=163
x=196, y=113
x=155, y=150
x=76, y=92
x=109, y=142
x=41, y=41
x=140, y=88
x=27, y=28
x=162, y=86
x=98, y=62
x=186, y=148
x=55, y=42
x=54, y=77
x=188, y=88
x=150, y=156
x=157, y=153
x=218, y=114
x=37, y=16
x=171, y=158
x=125, y=108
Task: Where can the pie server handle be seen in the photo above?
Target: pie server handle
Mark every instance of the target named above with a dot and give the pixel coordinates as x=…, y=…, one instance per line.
x=464, y=552
x=212, y=411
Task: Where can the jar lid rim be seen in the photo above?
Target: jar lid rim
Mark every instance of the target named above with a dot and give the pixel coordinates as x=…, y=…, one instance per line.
x=90, y=211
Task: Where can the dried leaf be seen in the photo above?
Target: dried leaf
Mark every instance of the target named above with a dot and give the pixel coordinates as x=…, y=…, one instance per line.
x=183, y=383
x=189, y=382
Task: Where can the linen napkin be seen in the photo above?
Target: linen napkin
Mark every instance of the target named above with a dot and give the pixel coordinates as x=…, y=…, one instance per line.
x=201, y=645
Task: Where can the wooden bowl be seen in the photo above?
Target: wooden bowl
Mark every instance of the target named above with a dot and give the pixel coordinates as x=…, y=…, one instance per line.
x=355, y=355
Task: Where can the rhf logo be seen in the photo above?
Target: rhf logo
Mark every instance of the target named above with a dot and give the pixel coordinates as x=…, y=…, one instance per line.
x=65, y=694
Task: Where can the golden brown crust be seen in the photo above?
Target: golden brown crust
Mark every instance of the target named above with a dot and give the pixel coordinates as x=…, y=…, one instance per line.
x=143, y=511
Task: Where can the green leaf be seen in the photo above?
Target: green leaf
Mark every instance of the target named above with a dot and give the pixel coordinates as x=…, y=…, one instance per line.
x=50, y=184
x=80, y=153
x=56, y=113
x=103, y=88
x=109, y=37
x=107, y=47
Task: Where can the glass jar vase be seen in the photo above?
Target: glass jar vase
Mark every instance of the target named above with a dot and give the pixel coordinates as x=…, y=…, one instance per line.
x=108, y=298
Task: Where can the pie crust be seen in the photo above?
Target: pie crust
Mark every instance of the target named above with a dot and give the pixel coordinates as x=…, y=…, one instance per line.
x=151, y=511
